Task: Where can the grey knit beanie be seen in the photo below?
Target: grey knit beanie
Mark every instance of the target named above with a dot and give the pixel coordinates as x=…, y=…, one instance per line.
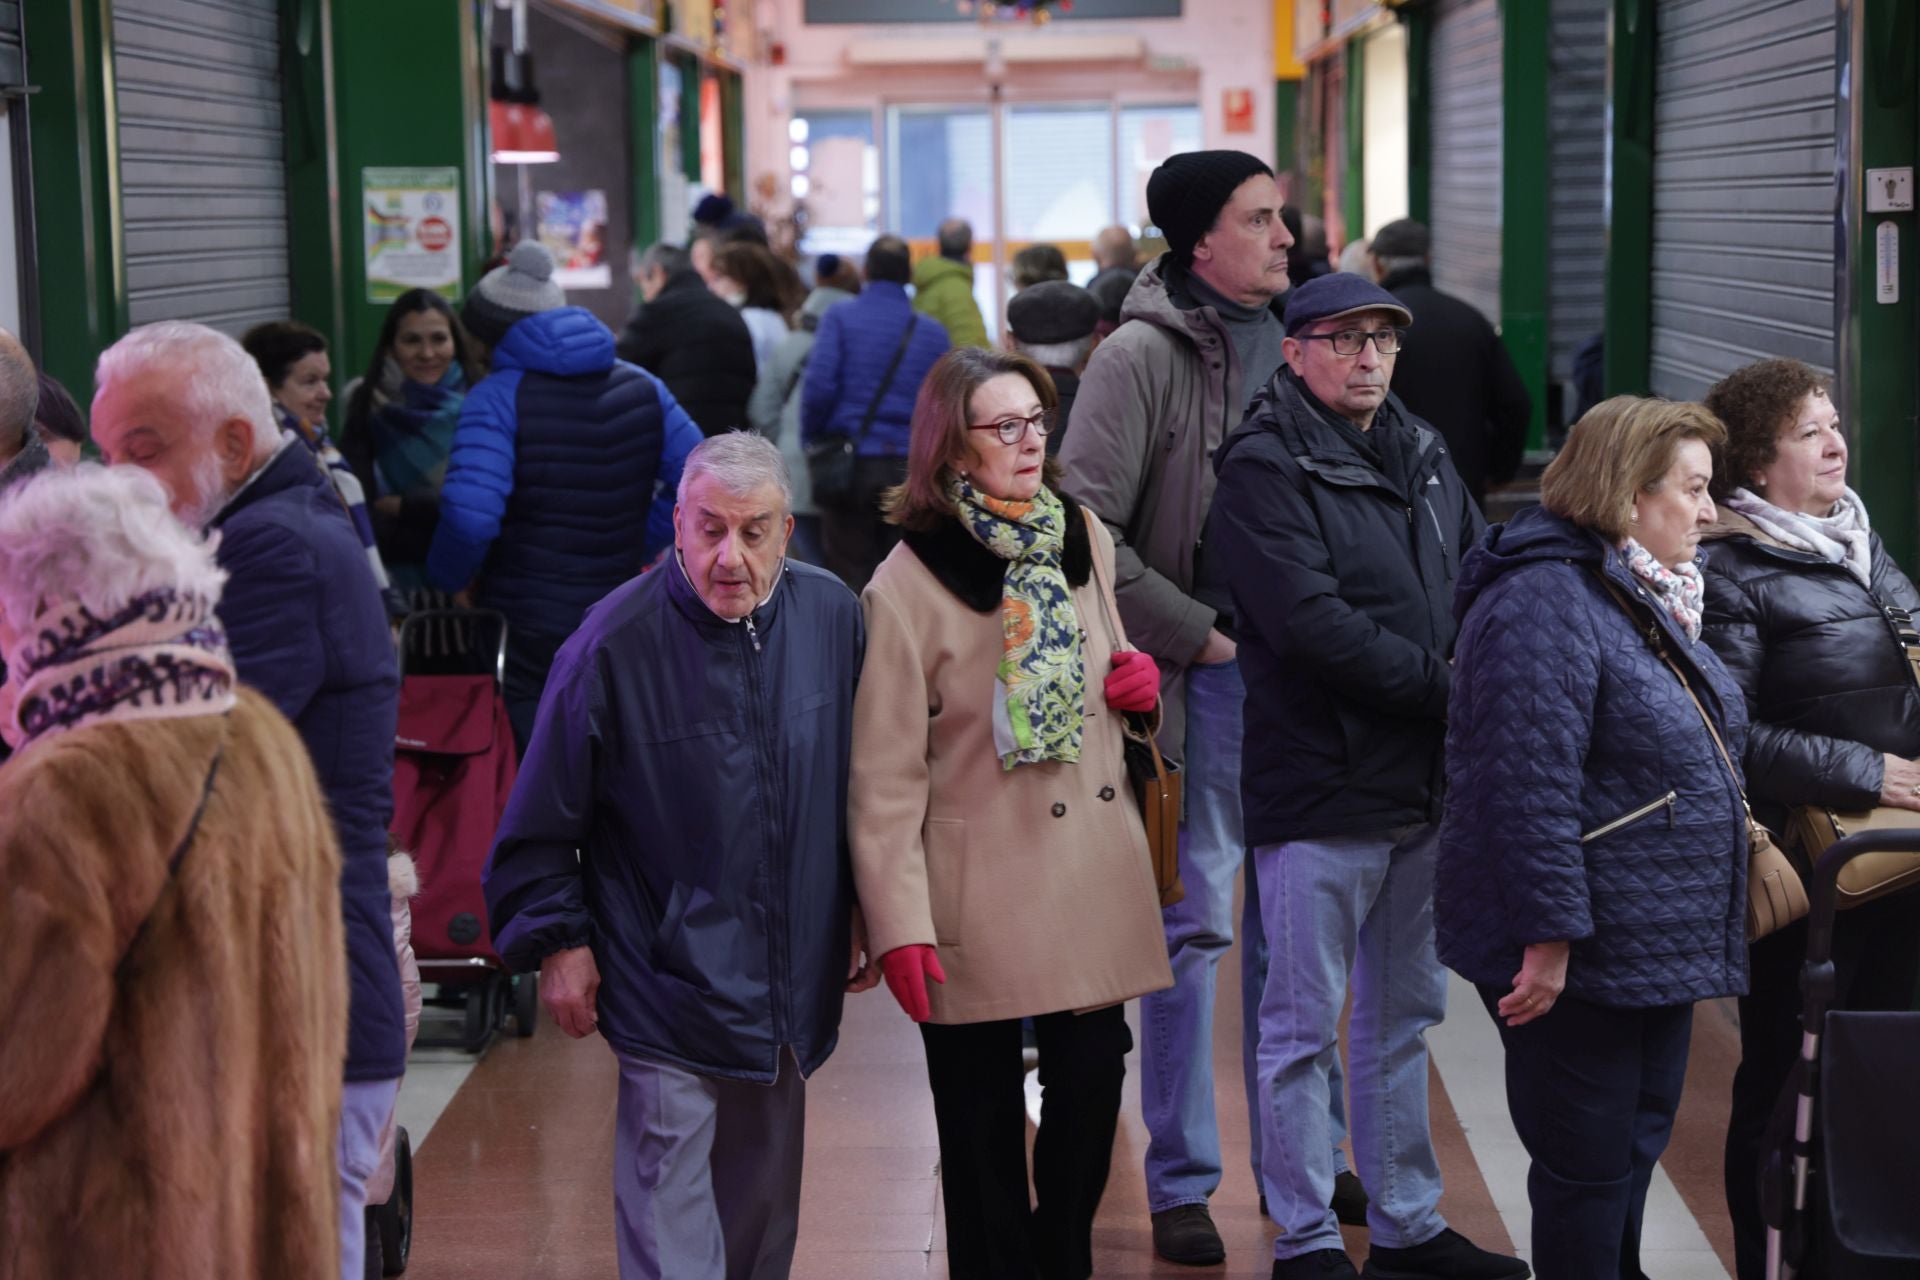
x=508, y=294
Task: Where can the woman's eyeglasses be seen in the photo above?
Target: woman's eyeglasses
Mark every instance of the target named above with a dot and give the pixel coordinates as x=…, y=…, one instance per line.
x=1347, y=342
x=1013, y=430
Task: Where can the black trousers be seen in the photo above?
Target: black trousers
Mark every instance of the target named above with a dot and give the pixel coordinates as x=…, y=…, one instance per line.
x=853, y=537
x=1592, y=1091
x=979, y=1105
x=1876, y=957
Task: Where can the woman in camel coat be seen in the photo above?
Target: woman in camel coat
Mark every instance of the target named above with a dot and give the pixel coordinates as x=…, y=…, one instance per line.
x=997, y=849
x=170, y=936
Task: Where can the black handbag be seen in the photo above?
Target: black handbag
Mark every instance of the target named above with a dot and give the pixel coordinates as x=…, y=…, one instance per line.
x=830, y=459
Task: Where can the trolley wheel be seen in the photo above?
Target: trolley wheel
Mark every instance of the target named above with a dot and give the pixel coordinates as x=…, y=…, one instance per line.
x=478, y=1027
x=395, y=1217
x=526, y=1004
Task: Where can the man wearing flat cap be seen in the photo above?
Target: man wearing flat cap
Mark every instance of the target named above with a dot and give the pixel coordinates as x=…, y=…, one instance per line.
x=1054, y=324
x=1456, y=373
x=1200, y=333
x=1337, y=530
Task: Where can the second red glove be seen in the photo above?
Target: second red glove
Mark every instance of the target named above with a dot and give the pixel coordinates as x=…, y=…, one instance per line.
x=1134, y=682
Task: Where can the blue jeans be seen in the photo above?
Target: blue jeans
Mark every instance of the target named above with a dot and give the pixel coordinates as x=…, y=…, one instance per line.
x=1176, y=1025
x=1359, y=906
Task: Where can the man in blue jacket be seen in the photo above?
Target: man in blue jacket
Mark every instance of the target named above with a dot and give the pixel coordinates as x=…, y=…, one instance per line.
x=560, y=484
x=307, y=628
x=870, y=356
x=1336, y=530
x=674, y=862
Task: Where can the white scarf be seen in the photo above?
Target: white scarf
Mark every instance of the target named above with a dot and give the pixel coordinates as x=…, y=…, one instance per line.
x=1841, y=537
x=1682, y=592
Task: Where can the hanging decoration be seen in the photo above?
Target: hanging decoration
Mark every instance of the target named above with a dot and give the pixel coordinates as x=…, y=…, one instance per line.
x=1038, y=12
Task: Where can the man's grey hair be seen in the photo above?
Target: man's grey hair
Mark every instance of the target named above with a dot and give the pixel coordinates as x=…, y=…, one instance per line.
x=670, y=258
x=218, y=379
x=1058, y=355
x=96, y=536
x=740, y=462
x=955, y=239
x=19, y=394
x=1390, y=265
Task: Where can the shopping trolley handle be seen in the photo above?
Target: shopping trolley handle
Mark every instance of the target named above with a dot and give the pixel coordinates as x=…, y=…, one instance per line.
x=1825, y=889
x=492, y=617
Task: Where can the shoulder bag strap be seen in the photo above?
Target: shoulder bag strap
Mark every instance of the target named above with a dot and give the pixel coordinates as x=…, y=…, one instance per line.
x=880, y=392
x=1660, y=651
x=179, y=853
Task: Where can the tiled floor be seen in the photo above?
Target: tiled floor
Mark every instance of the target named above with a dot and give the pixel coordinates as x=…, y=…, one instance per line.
x=514, y=1180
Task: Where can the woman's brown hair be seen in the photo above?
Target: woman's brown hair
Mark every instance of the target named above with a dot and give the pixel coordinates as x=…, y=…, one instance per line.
x=1755, y=403
x=938, y=440
x=768, y=282
x=1619, y=448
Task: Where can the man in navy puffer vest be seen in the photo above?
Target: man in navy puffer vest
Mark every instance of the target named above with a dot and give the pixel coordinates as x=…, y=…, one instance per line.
x=564, y=466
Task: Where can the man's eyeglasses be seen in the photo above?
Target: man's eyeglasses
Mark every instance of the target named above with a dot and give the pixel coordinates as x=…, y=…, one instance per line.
x=1347, y=342
x=1013, y=430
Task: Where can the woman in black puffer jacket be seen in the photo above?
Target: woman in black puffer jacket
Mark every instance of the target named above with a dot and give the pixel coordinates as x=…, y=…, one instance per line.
x=1798, y=589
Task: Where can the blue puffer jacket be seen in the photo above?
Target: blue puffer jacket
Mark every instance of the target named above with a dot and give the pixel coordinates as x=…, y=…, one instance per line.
x=561, y=482
x=1565, y=723
x=682, y=809
x=307, y=628
x=851, y=352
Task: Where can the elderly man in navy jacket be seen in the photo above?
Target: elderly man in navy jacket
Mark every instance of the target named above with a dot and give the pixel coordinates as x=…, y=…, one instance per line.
x=307, y=628
x=1337, y=526
x=674, y=862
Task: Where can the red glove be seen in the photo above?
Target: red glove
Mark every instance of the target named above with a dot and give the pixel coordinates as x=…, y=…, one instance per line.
x=1134, y=682
x=907, y=970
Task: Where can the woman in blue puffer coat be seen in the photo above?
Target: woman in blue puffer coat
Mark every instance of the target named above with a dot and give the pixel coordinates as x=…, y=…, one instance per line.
x=1592, y=874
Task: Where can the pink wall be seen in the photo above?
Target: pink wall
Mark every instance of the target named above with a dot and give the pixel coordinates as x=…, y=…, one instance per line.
x=1214, y=47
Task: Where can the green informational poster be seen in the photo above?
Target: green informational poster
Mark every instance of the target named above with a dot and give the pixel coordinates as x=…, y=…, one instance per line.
x=413, y=231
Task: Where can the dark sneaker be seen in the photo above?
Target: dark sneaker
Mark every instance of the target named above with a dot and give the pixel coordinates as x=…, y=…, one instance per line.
x=1448, y=1256
x=1349, y=1203
x=1325, y=1264
x=1185, y=1234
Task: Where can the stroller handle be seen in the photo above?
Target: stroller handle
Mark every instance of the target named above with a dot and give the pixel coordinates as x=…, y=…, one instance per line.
x=1825, y=892
x=414, y=621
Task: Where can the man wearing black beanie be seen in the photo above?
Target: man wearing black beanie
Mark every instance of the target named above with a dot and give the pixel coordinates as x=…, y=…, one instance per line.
x=1200, y=334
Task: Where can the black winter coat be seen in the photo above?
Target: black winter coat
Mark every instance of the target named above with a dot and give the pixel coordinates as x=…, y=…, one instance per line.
x=697, y=343
x=1342, y=584
x=1587, y=803
x=1455, y=373
x=1827, y=685
x=683, y=811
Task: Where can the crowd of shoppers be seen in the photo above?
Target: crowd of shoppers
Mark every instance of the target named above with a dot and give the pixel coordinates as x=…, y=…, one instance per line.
x=1532, y=753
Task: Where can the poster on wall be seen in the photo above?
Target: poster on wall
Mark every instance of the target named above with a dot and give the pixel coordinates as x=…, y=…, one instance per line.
x=573, y=226
x=413, y=231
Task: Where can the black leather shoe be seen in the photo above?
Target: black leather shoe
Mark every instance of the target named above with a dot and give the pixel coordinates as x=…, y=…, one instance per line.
x=1448, y=1256
x=1186, y=1234
x=1326, y=1264
x=1349, y=1203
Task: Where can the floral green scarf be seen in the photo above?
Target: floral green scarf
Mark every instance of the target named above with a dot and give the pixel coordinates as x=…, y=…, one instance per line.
x=1041, y=684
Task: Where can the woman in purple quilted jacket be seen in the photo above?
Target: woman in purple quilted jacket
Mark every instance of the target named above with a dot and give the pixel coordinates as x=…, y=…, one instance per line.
x=1592, y=873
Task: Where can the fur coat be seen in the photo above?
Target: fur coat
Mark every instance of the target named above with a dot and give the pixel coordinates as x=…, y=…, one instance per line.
x=171, y=1096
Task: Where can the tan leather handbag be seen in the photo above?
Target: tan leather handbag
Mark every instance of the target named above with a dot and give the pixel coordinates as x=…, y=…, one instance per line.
x=1811, y=828
x=1155, y=780
x=1776, y=895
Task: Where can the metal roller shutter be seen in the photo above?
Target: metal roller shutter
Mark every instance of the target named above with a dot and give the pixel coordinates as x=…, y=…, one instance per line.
x=1577, y=209
x=1743, y=187
x=202, y=169
x=1465, y=187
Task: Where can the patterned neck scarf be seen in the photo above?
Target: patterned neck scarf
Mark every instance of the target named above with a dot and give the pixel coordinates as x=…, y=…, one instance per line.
x=1041, y=684
x=1841, y=537
x=1682, y=591
x=162, y=656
